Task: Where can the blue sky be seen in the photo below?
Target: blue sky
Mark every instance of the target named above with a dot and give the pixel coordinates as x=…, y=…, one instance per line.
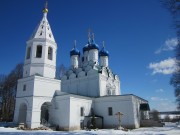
x=138, y=35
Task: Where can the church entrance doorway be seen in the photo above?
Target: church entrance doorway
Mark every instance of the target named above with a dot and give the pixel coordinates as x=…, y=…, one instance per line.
x=45, y=113
x=22, y=113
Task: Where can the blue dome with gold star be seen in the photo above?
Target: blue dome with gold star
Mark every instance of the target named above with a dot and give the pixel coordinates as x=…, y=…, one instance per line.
x=93, y=45
x=74, y=51
x=86, y=47
x=103, y=52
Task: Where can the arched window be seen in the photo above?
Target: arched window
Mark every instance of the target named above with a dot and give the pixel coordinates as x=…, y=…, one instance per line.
x=22, y=113
x=39, y=51
x=28, y=53
x=50, y=53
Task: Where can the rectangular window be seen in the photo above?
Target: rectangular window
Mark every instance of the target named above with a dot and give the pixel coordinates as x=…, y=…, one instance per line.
x=50, y=53
x=82, y=111
x=110, y=111
x=24, y=87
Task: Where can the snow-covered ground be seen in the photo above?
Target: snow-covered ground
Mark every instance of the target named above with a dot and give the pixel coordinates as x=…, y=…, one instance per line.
x=168, y=129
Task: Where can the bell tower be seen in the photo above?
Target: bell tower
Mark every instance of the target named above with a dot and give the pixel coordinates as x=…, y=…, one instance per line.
x=38, y=85
x=40, y=58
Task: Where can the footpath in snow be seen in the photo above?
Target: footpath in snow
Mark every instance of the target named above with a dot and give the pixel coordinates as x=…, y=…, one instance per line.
x=168, y=129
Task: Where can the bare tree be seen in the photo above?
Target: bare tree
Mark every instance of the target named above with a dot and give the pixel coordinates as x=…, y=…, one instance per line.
x=2, y=80
x=155, y=115
x=8, y=91
x=174, y=7
x=167, y=118
x=60, y=71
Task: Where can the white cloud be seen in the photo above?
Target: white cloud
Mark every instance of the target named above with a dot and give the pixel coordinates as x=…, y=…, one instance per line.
x=158, y=99
x=159, y=90
x=167, y=66
x=169, y=45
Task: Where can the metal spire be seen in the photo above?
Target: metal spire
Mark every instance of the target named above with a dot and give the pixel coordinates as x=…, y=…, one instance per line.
x=92, y=36
x=45, y=10
x=103, y=44
x=74, y=44
x=89, y=35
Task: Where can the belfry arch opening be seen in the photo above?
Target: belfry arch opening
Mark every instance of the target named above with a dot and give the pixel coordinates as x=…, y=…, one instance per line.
x=22, y=113
x=39, y=51
x=45, y=113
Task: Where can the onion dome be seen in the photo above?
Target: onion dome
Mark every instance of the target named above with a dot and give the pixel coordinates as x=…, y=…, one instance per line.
x=86, y=47
x=74, y=51
x=103, y=51
x=93, y=45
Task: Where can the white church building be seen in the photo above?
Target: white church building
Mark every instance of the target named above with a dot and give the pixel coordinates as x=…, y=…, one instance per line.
x=88, y=93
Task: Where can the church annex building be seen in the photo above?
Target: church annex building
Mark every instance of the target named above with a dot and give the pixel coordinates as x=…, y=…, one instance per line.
x=89, y=89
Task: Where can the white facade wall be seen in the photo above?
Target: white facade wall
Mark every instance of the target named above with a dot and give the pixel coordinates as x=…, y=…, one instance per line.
x=46, y=86
x=60, y=113
x=107, y=83
x=35, y=112
x=20, y=101
x=83, y=85
x=93, y=84
x=66, y=111
x=38, y=91
x=118, y=104
x=137, y=112
x=37, y=86
x=75, y=111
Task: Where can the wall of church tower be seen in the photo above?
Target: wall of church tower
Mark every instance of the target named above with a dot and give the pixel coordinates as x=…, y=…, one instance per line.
x=93, y=55
x=41, y=62
x=86, y=57
x=34, y=91
x=37, y=87
x=75, y=61
x=104, y=61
